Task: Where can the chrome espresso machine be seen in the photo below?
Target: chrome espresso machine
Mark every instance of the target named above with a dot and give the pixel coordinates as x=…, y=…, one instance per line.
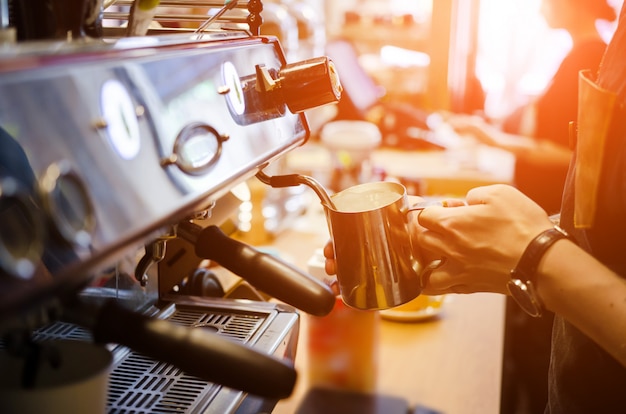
x=120, y=146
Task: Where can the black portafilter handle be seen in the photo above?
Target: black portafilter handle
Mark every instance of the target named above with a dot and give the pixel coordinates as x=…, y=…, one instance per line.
x=266, y=272
x=195, y=351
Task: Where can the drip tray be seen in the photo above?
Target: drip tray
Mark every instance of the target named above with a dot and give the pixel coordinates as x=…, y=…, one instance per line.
x=139, y=384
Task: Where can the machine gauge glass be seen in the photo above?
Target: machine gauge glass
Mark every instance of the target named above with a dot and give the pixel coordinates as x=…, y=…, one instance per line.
x=68, y=204
x=120, y=116
x=197, y=149
x=235, y=96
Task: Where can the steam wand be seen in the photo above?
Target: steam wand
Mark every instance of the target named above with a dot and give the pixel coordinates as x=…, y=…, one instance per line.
x=293, y=180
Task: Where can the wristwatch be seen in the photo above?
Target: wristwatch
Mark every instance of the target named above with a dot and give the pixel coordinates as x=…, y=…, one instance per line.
x=523, y=277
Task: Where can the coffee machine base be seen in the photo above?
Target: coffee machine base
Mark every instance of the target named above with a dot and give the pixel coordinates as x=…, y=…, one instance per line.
x=140, y=384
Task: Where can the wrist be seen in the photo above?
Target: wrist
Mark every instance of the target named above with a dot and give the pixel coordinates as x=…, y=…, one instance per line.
x=555, y=272
x=525, y=281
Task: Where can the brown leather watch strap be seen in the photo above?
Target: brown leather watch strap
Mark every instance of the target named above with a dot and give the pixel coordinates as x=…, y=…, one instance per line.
x=522, y=285
x=526, y=268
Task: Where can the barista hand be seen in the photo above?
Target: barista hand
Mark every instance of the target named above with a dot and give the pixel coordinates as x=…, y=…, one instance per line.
x=482, y=241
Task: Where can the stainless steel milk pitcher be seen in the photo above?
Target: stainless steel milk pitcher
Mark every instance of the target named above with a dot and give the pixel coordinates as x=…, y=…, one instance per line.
x=377, y=267
x=375, y=260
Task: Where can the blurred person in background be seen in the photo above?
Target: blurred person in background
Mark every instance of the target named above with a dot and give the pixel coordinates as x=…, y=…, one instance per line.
x=538, y=134
x=542, y=160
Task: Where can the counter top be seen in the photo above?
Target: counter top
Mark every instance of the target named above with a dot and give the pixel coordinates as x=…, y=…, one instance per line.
x=438, y=173
x=451, y=172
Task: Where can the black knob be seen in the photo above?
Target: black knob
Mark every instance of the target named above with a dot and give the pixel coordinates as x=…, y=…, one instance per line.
x=309, y=84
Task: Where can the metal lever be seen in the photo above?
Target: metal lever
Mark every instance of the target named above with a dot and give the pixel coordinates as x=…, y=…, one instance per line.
x=228, y=5
x=155, y=252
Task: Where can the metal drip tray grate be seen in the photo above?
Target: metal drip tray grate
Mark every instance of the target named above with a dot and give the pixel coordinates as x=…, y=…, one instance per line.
x=236, y=327
x=62, y=330
x=142, y=385
x=139, y=384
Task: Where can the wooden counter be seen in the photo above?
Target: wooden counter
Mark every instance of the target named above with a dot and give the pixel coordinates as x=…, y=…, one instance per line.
x=450, y=172
x=451, y=364
x=437, y=173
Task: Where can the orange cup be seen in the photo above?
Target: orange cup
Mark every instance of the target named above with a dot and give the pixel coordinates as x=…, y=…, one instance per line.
x=343, y=349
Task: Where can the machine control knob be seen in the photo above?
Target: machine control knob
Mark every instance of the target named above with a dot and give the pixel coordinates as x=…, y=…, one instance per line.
x=309, y=84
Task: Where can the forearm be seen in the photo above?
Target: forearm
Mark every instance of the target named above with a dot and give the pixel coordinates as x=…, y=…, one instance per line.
x=540, y=151
x=574, y=285
x=516, y=144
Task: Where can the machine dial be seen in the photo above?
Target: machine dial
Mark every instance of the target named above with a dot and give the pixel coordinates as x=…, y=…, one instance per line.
x=120, y=119
x=232, y=89
x=197, y=149
x=68, y=204
x=21, y=230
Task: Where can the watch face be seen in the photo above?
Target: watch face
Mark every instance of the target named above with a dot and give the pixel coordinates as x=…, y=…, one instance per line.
x=524, y=295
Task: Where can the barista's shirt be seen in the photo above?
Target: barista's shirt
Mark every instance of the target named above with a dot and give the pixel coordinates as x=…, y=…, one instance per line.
x=555, y=109
x=584, y=378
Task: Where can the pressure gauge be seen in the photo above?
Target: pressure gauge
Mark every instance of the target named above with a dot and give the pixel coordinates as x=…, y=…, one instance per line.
x=232, y=89
x=120, y=119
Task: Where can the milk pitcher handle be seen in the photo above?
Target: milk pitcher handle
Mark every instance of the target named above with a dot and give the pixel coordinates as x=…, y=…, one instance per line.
x=422, y=205
x=424, y=274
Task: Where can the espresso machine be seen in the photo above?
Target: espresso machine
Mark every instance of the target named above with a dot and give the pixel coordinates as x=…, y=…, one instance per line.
x=120, y=148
